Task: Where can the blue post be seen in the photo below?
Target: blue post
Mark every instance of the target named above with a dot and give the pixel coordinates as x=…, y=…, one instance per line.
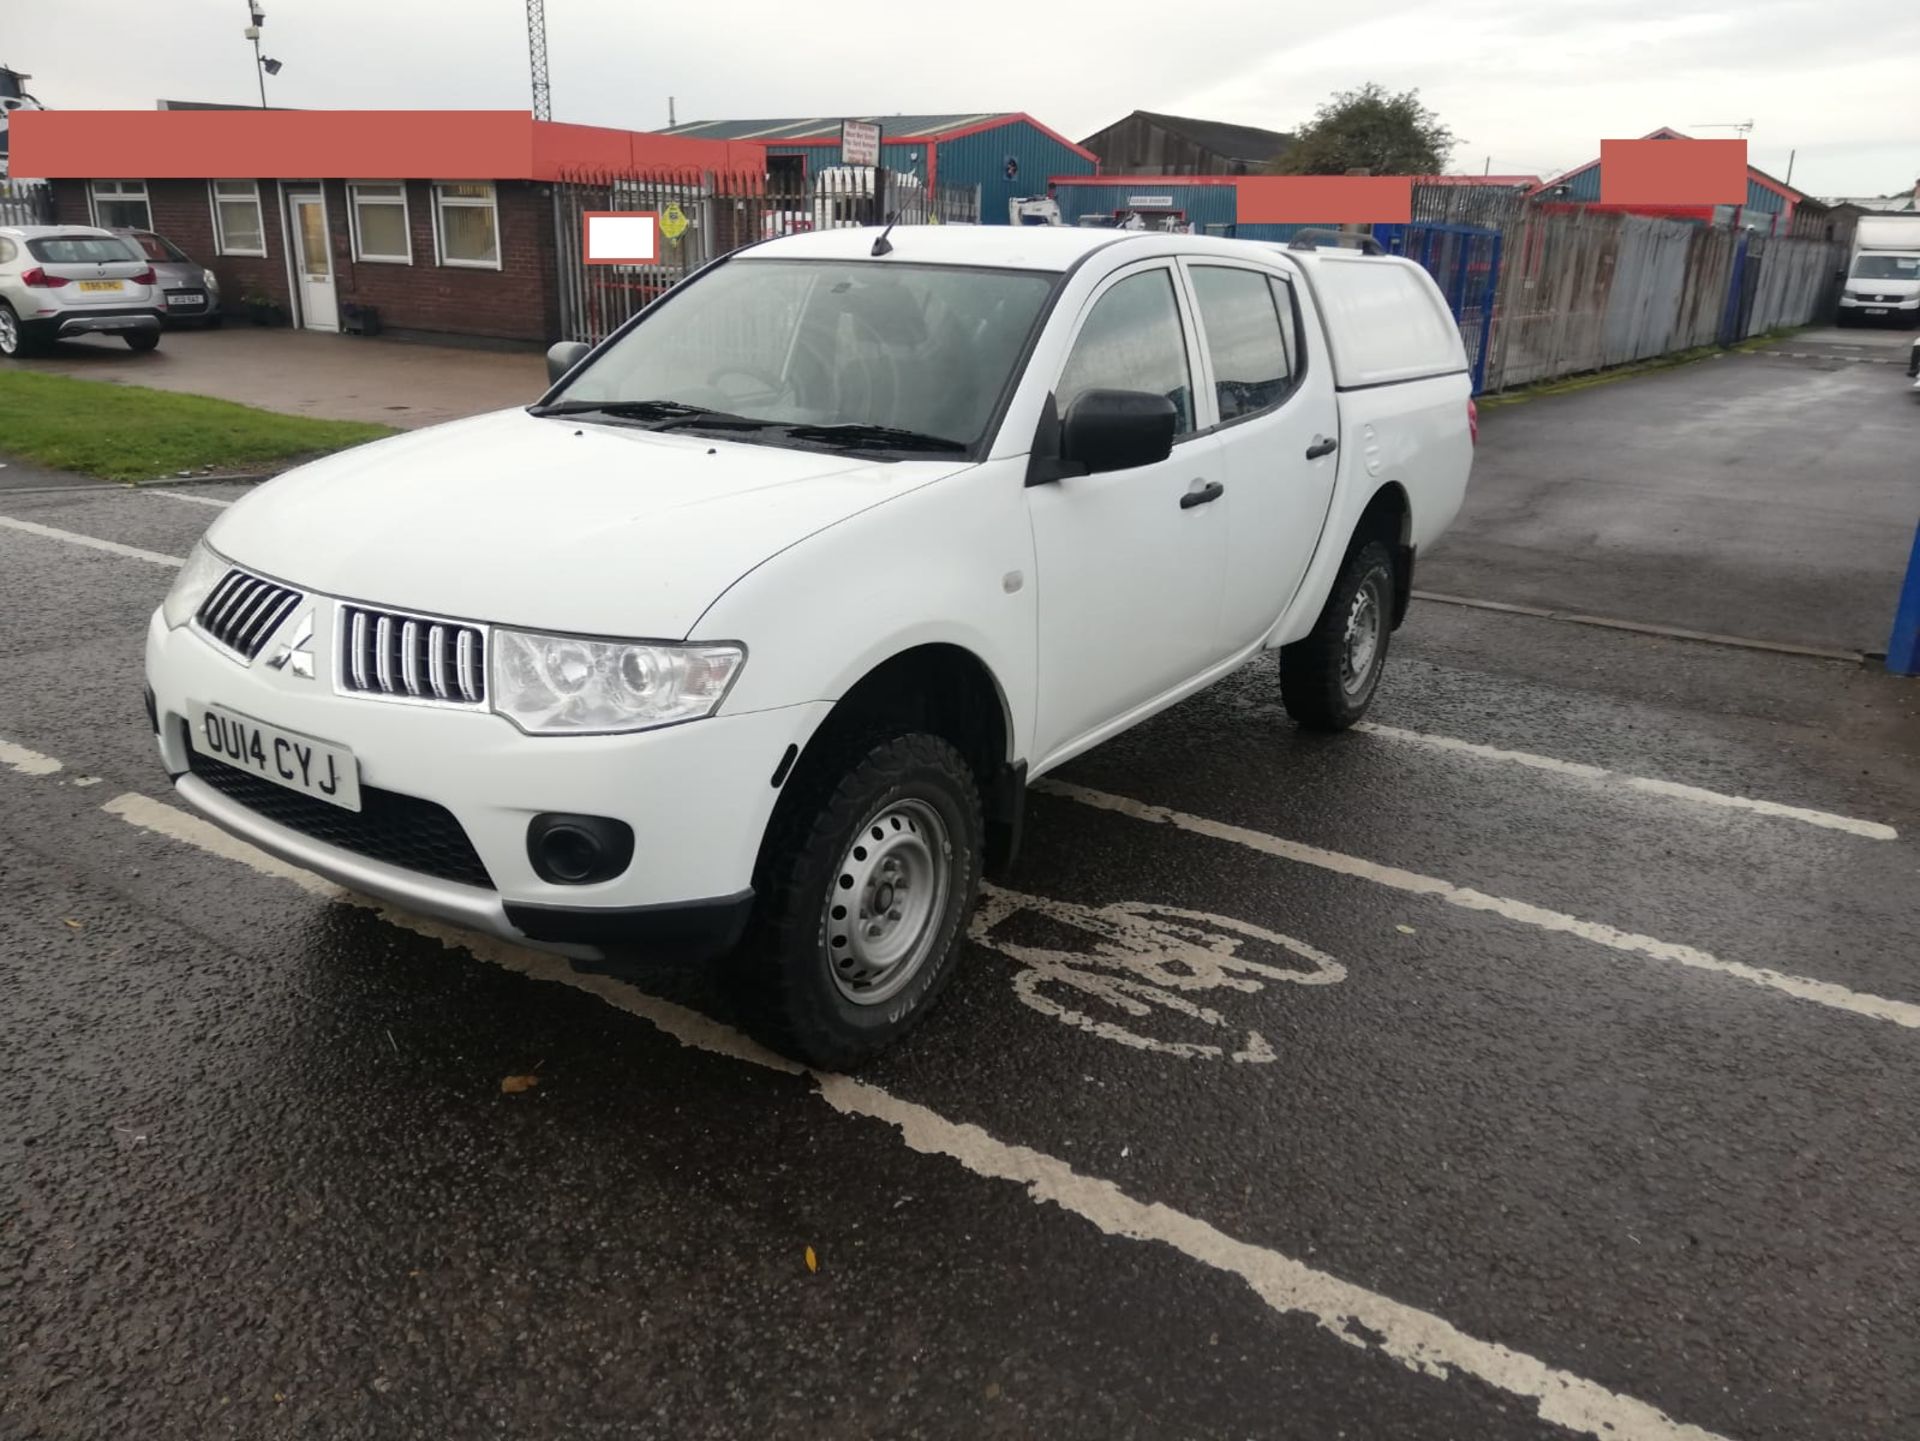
x=1486, y=315
x=1903, y=648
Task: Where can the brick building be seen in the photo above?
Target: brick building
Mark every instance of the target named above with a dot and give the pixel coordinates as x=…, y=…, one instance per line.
x=442, y=222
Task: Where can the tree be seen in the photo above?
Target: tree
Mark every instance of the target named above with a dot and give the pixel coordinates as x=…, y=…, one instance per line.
x=1369, y=129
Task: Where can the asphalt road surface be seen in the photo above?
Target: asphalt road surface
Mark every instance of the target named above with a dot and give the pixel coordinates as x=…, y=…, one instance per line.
x=1769, y=496
x=1536, y=1063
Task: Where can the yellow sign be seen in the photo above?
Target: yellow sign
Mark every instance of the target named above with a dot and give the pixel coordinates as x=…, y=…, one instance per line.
x=673, y=221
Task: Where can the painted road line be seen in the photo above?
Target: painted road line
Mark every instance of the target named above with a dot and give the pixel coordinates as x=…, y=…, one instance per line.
x=1366, y=1320
x=1805, y=988
x=92, y=542
x=190, y=499
x=1871, y=830
x=27, y=762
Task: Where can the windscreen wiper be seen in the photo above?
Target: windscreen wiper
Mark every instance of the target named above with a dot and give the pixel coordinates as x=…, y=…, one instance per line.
x=874, y=437
x=664, y=413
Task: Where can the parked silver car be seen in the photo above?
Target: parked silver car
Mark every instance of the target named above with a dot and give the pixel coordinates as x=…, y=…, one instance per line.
x=59, y=280
x=192, y=291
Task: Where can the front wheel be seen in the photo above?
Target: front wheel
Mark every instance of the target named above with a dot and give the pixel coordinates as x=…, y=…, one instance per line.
x=1327, y=678
x=15, y=340
x=142, y=339
x=868, y=877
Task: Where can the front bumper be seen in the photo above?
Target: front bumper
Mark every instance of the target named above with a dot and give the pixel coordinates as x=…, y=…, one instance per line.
x=1904, y=305
x=698, y=797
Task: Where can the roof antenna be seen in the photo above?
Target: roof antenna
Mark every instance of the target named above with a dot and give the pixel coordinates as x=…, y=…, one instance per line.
x=884, y=246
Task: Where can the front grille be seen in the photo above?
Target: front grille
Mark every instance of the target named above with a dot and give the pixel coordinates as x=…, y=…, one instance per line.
x=243, y=610
x=409, y=657
x=401, y=830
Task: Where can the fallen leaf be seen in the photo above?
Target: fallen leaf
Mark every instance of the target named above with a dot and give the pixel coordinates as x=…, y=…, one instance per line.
x=73, y=923
x=514, y=1085
x=1406, y=930
x=813, y=1261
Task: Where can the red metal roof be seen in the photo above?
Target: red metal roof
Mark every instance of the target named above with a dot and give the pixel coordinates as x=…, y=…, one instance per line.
x=345, y=144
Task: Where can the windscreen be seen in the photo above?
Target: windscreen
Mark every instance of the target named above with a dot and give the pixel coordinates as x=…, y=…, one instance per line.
x=81, y=249
x=1887, y=267
x=920, y=348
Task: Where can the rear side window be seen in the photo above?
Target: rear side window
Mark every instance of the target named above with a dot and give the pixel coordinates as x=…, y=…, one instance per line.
x=1132, y=340
x=81, y=249
x=7, y=250
x=1244, y=341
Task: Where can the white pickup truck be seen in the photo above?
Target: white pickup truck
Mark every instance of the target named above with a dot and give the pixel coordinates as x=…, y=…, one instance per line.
x=747, y=639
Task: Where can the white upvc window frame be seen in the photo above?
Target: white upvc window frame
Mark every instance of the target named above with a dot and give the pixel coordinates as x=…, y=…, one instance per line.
x=220, y=246
x=360, y=253
x=121, y=193
x=441, y=202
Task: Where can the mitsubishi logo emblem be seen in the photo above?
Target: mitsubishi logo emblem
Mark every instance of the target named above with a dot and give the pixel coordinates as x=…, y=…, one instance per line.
x=295, y=656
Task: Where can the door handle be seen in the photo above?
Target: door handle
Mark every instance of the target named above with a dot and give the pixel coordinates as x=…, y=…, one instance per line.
x=1207, y=493
x=1322, y=447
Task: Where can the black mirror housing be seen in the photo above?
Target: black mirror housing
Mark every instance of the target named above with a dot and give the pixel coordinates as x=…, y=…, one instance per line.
x=563, y=356
x=1117, y=430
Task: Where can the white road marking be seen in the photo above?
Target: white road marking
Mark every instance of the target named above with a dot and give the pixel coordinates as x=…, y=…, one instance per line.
x=166, y=494
x=1825, y=993
x=1871, y=830
x=1145, y=955
x=27, y=762
x=1416, y=1339
x=92, y=542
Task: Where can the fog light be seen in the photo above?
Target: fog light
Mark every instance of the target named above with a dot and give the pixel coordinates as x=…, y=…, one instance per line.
x=568, y=850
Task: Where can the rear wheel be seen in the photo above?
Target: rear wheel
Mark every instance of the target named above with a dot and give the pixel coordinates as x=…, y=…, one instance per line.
x=142, y=339
x=1327, y=679
x=869, y=873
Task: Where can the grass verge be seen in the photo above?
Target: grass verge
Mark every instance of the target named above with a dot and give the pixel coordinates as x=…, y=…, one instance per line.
x=127, y=432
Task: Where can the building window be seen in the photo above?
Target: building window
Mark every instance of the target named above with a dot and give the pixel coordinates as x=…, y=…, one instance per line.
x=381, y=229
x=237, y=227
x=466, y=224
x=121, y=205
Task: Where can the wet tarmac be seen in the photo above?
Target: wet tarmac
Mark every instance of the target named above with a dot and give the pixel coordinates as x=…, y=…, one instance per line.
x=1536, y=1063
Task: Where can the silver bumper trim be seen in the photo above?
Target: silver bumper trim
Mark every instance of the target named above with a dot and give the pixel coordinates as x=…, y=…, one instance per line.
x=467, y=906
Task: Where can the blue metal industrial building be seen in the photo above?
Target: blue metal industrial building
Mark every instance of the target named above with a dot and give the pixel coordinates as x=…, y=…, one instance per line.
x=1007, y=154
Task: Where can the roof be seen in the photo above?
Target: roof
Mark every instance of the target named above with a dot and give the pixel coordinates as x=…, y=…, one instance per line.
x=1231, y=142
x=827, y=127
x=248, y=144
x=1013, y=247
x=1667, y=132
x=35, y=232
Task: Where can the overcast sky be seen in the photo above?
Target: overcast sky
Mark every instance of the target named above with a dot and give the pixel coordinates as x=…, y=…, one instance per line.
x=1530, y=85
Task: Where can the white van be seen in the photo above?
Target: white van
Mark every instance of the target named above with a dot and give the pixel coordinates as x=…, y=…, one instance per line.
x=1883, y=274
x=748, y=637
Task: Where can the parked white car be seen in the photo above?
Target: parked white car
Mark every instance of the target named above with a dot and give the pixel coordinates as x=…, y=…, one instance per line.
x=748, y=638
x=62, y=280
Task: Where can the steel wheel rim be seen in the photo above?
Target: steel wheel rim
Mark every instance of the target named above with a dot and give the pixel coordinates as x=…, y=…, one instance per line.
x=1360, y=650
x=886, y=901
x=9, y=332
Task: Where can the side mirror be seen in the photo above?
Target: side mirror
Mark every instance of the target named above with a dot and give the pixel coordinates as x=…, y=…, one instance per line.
x=1117, y=430
x=564, y=355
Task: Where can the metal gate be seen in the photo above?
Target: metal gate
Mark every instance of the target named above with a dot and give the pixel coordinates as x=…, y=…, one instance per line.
x=26, y=202
x=713, y=214
x=1464, y=261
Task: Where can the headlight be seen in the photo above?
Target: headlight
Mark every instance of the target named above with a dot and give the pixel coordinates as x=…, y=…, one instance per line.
x=562, y=685
x=208, y=279
x=195, y=582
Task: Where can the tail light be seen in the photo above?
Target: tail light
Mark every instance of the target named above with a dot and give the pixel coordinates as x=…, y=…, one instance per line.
x=1473, y=420
x=145, y=277
x=40, y=280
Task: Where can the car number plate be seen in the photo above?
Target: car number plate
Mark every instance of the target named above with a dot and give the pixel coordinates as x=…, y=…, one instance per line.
x=99, y=285
x=1876, y=310
x=186, y=302
x=299, y=762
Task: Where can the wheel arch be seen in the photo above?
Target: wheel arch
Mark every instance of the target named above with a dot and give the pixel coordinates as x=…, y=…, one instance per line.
x=1388, y=517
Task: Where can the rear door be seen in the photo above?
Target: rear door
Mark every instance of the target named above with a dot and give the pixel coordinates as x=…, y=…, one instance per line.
x=94, y=269
x=1276, y=418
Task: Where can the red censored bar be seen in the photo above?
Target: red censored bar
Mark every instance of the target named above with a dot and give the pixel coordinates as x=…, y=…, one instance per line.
x=1673, y=172
x=1325, y=199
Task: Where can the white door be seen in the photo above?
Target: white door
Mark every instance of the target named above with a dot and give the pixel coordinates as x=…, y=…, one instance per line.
x=1129, y=578
x=1277, y=420
x=313, y=260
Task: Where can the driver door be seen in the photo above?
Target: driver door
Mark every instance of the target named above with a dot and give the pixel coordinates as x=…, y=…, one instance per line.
x=1130, y=578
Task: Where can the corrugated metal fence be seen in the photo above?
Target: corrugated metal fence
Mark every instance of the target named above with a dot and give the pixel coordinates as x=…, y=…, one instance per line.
x=26, y=202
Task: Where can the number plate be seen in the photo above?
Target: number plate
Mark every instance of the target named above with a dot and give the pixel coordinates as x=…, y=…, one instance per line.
x=99, y=285
x=186, y=302
x=300, y=763
x=1876, y=310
